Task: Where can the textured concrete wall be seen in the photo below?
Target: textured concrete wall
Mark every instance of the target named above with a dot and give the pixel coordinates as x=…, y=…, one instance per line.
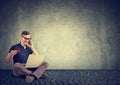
x=71, y=34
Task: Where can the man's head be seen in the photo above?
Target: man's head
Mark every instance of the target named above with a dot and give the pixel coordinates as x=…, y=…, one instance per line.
x=25, y=37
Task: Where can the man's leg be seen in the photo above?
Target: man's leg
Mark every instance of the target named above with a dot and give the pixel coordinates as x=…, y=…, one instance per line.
x=19, y=70
x=37, y=73
x=40, y=70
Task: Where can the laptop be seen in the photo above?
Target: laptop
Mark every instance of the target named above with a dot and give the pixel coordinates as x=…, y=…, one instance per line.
x=34, y=61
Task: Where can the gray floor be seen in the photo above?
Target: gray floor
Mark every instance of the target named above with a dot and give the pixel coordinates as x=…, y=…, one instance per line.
x=66, y=77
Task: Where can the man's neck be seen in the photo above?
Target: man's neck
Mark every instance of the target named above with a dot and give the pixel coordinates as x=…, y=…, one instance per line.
x=23, y=45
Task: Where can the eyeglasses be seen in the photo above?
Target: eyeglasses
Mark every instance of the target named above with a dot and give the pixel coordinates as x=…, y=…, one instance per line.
x=26, y=38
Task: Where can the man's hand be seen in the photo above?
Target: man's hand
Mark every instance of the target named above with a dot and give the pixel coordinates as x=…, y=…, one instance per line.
x=30, y=43
x=13, y=52
x=10, y=55
x=32, y=47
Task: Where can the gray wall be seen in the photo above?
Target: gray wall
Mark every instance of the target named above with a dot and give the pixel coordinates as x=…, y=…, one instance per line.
x=71, y=34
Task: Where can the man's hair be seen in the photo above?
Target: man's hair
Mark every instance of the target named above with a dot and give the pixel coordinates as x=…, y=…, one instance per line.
x=25, y=33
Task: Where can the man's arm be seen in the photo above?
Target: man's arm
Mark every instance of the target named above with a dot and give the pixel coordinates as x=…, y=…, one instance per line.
x=10, y=56
x=33, y=49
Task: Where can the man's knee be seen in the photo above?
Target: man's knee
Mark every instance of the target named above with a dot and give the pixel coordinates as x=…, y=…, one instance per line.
x=16, y=65
x=45, y=64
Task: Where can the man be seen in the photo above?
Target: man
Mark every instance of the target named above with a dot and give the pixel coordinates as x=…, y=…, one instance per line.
x=20, y=53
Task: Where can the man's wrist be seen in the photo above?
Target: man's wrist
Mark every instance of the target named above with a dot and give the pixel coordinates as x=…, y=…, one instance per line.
x=31, y=46
x=11, y=55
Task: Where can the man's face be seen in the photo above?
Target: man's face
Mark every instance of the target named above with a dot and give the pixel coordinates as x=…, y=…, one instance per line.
x=25, y=39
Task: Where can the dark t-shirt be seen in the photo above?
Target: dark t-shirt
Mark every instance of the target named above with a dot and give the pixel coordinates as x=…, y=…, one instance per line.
x=21, y=56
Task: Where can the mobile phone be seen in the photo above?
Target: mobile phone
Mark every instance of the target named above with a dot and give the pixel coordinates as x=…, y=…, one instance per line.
x=29, y=42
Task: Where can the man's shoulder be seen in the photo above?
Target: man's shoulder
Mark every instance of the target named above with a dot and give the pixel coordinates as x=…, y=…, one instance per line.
x=15, y=45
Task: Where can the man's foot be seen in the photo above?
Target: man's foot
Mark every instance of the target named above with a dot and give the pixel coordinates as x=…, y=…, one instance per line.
x=44, y=76
x=29, y=79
